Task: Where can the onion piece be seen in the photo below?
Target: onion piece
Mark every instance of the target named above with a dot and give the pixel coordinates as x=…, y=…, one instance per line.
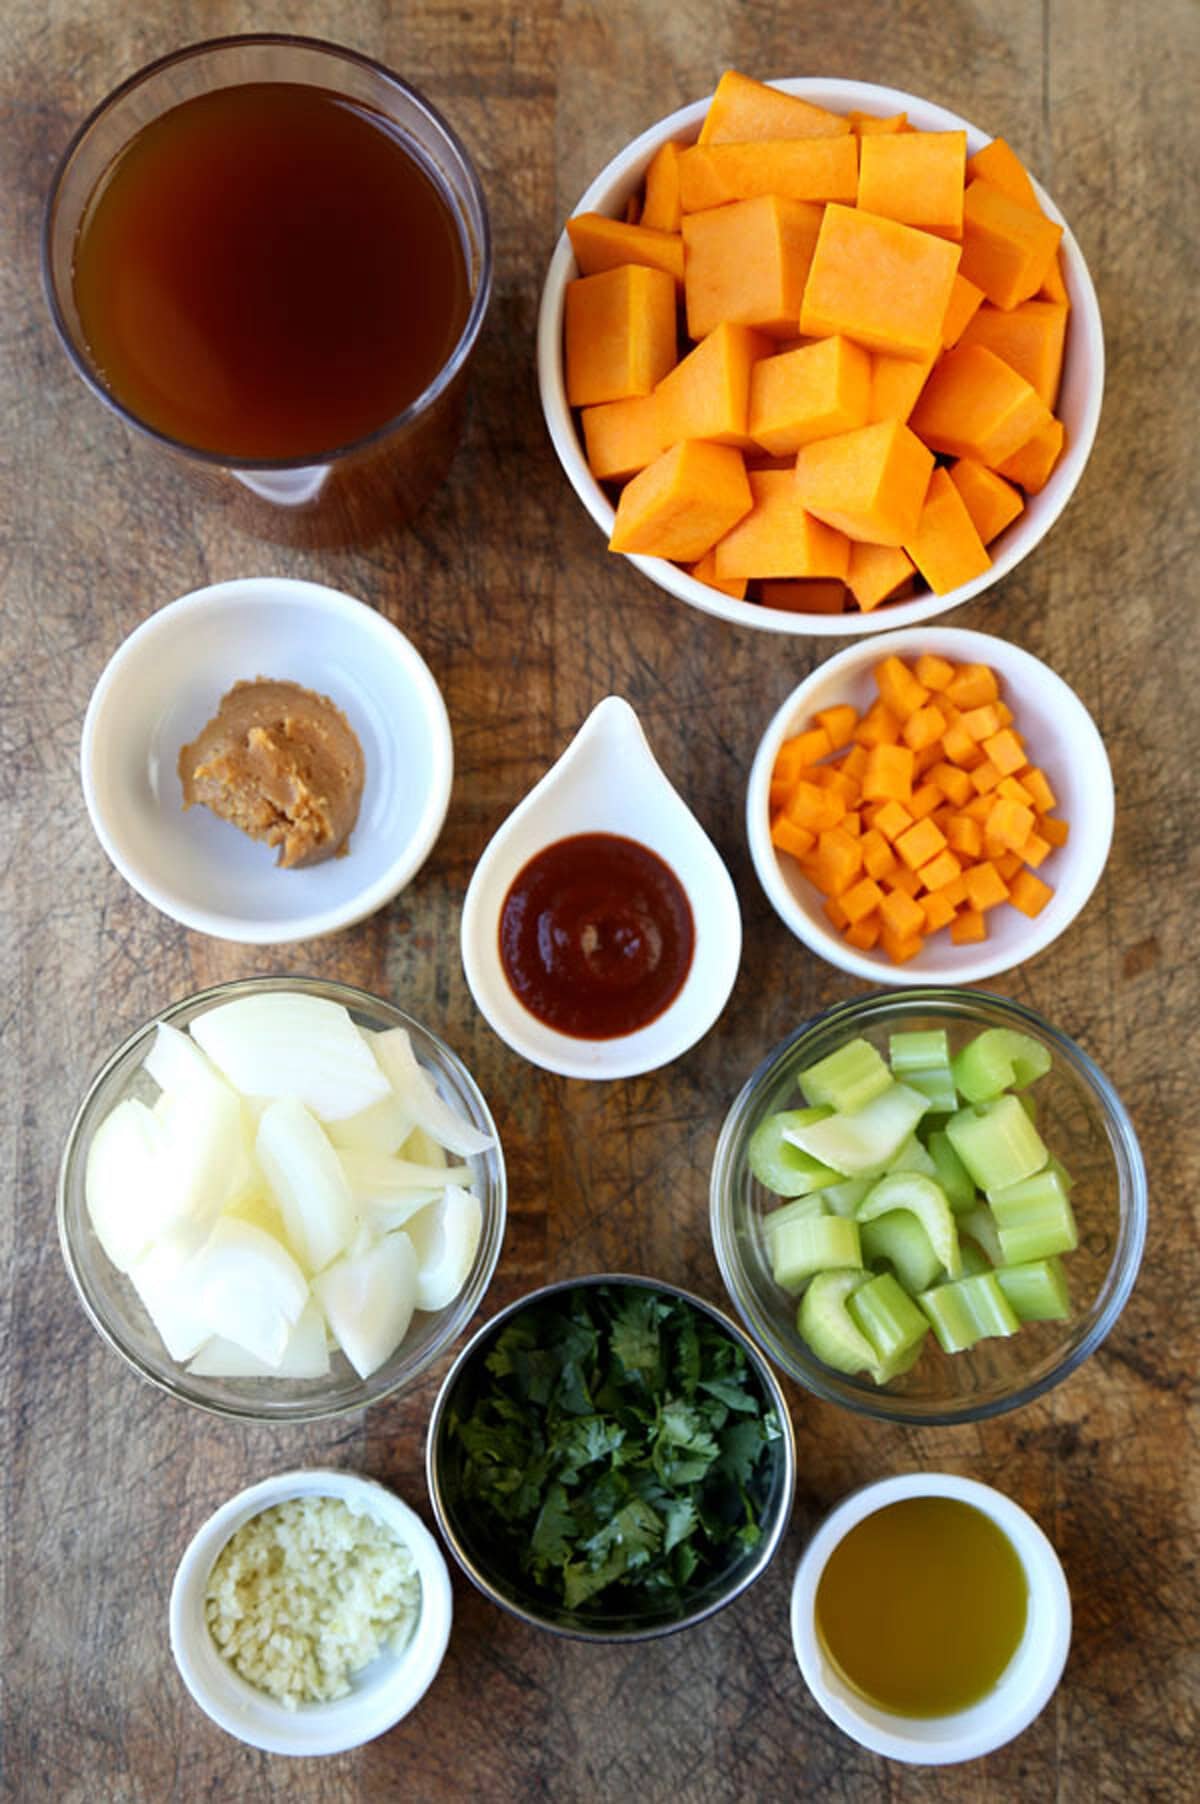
x=368, y=1299
x=121, y=1182
x=287, y=1044
x=169, y=1298
x=247, y=1288
x=416, y=1091
x=373, y=1177
x=306, y=1180
x=306, y=1354
x=445, y=1238
x=175, y=1062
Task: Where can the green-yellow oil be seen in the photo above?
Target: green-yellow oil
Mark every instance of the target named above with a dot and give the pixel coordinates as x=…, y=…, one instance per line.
x=922, y=1606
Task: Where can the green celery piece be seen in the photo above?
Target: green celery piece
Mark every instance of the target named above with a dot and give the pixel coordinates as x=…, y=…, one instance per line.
x=913, y=1157
x=950, y=1171
x=997, y=1143
x=824, y=1323
x=844, y=1198
x=974, y=1261
x=887, y=1369
x=969, y=1310
x=888, y=1317
x=918, y=1051
x=1034, y=1218
x=860, y=1145
x=1065, y=1178
x=979, y=1225
x=899, y=1238
x=922, y=1061
x=925, y=1199
x=996, y=1060
x=848, y=1079
x=1037, y=1291
x=778, y=1163
x=802, y=1208
x=937, y=1086
x=813, y=1244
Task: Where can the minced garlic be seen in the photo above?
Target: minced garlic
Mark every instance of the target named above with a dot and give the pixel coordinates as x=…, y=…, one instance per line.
x=306, y=1594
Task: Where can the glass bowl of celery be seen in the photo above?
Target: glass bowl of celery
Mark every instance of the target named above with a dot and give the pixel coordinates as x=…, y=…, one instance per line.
x=928, y=1205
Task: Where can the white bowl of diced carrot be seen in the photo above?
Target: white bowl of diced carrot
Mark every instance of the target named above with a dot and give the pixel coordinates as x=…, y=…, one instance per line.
x=935, y=806
x=820, y=357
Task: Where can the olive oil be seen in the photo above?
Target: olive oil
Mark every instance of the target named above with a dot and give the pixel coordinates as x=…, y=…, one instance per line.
x=268, y=271
x=922, y=1606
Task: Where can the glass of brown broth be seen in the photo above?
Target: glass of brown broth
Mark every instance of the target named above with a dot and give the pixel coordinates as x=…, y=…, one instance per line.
x=271, y=256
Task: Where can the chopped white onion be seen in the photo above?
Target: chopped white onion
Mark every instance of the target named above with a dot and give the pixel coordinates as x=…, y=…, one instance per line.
x=121, y=1182
x=283, y=1043
x=369, y=1300
x=412, y=1084
x=306, y=1354
x=445, y=1237
x=306, y=1180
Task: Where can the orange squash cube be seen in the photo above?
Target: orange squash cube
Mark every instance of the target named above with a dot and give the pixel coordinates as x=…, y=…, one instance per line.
x=661, y=208
x=991, y=502
x=965, y=302
x=915, y=177
x=1029, y=338
x=601, y=243
x=895, y=384
x=706, y=572
x=778, y=538
x=975, y=405
x=869, y=483
x=817, y=169
x=999, y=164
x=707, y=394
x=747, y=264
x=1006, y=248
x=876, y=571
x=884, y=284
x=1032, y=464
x=619, y=334
x=946, y=548
x=816, y=392
x=682, y=503
x=743, y=111
x=622, y=437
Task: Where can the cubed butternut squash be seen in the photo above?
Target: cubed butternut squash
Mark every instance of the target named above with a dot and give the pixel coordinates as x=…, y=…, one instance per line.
x=622, y=437
x=747, y=264
x=976, y=405
x=991, y=502
x=744, y=111
x=816, y=169
x=620, y=334
x=822, y=389
x=946, y=548
x=682, y=503
x=915, y=177
x=884, y=284
x=1006, y=248
x=1029, y=338
x=601, y=243
x=778, y=538
x=707, y=394
x=870, y=483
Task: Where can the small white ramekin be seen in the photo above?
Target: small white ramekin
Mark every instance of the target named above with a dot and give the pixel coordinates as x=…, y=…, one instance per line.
x=381, y=1694
x=1062, y=738
x=1023, y=1689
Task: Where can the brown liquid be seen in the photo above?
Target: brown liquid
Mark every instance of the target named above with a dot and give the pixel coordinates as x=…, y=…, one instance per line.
x=596, y=936
x=267, y=272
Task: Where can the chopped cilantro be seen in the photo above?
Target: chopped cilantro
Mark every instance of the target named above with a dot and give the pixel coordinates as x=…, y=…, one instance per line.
x=614, y=1440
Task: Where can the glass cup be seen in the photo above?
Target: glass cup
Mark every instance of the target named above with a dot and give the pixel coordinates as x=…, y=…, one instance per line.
x=350, y=493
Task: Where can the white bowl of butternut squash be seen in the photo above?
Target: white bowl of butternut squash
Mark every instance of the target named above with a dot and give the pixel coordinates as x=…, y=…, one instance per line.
x=820, y=357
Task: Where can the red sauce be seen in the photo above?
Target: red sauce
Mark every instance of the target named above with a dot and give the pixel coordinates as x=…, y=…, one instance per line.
x=596, y=936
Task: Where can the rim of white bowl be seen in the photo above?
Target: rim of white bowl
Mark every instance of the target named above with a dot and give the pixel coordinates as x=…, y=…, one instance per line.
x=253, y=1716
x=1026, y=1685
x=622, y=173
x=1086, y=859
x=393, y=645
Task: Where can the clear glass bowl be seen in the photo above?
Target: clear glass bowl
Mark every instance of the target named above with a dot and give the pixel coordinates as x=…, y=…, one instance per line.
x=467, y=1539
x=1082, y=1121
x=114, y=1306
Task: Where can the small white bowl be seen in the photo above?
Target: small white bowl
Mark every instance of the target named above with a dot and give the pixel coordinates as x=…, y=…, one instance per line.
x=165, y=682
x=1078, y=404
x=1023, y=1689
x=380, y=1694
x=1061, y=737
x=607, y=781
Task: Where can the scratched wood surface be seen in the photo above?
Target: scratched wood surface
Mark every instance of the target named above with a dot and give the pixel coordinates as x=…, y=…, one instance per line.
x=505, y=587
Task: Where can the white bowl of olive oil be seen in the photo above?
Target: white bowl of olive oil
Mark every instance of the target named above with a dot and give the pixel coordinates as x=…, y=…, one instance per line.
x=931, y=1618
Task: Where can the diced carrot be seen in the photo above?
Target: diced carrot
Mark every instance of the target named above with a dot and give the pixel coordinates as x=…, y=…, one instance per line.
x=924, y=727
x=972, y=685
x=814, y=808
x=902, y=879
x=985, y=777
x=964, y=836
x=790, y=838
x=878, y=726
x=934, y=672
x=861, y=899
x=878, y=856
x=888, y=776
x=864, y=934
x=1055, y=831
x=1029, y=893
x=839, y=859
x=968, y=927
x=901, y=950
x=901, y=915
x=922, y=842
x=985, y=886
x=1037, y=784
x=924, y=801
x=839, y=722
x=940, y=871
x=898, y=688
x=937, y=911
x=892, y=820
x=953, y=782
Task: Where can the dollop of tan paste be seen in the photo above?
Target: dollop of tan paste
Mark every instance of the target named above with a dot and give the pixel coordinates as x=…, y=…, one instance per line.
x=283, y=764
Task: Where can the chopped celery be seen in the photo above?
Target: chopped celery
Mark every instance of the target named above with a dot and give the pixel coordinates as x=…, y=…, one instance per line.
x=848, y=1079
x=812, y=1243
x=778, y=1163
x=950, y=1171
x=926, y=1200
x=844, y=1198
x=899, y=1238
x=970, y=1310
x=913, y=1157
x=936, y=1086
x=974, y=1261
x=1037, y=1291
x=887, y=1369
x=979, y=1225
x=918, y=1051
x=824, y=1323
x=997, y=1143
x=804, y=1208
x=997, y=1060
x=1034, y=1218
x=888, y=1317
x=861, y=1143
